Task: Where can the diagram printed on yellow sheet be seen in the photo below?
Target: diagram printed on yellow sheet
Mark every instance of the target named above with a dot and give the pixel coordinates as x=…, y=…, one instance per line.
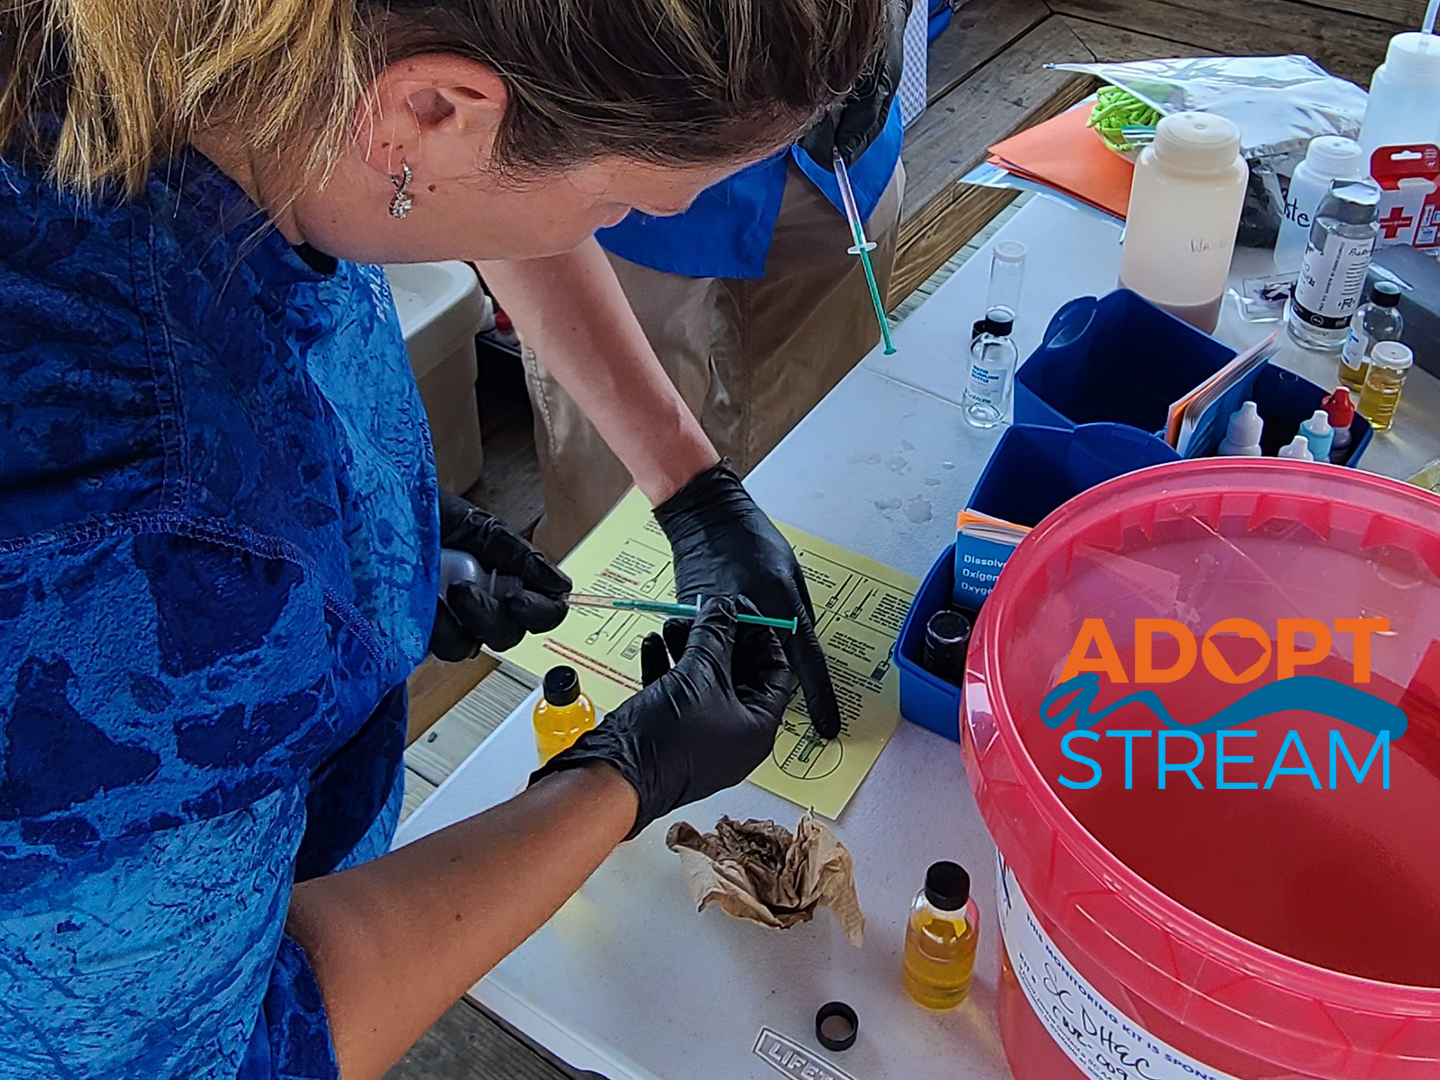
x=859, y=608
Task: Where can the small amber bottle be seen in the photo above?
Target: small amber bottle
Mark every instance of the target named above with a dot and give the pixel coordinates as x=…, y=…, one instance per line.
x=562, y=714
x=941, y=938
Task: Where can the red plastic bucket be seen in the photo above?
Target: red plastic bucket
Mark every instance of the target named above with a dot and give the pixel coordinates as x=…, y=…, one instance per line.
x=1270, y=933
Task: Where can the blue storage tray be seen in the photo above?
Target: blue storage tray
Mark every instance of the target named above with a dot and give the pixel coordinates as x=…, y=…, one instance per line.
x=1285, y=400
x=1034, y=469
x=927, y=699
x=1118, y=359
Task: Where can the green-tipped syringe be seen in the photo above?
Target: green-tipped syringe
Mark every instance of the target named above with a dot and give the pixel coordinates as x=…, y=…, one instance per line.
x=862, y=247
x=674, y=611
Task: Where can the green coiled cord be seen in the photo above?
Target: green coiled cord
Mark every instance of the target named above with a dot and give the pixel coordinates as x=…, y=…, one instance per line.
x=1116, y=109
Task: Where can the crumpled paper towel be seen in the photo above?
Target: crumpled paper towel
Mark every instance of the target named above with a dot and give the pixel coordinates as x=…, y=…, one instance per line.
x=757, y=870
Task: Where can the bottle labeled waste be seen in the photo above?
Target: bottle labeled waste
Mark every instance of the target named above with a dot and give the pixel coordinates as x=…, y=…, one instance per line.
x=941, y=938
x=1377, y=320
x=1328, y=158
x=1185, y=203
x=562, y=714
x=1332, y=275
x=993, y=357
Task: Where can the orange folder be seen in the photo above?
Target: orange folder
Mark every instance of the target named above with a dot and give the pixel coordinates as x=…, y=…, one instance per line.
x=1065, y=154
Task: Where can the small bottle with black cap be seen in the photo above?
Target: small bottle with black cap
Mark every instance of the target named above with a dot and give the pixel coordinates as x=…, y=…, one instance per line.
x=993, y=357
x=941, y=938
x=562, y=714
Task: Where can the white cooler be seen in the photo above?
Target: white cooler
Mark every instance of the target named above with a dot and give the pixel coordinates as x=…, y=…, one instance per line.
x=441, y=306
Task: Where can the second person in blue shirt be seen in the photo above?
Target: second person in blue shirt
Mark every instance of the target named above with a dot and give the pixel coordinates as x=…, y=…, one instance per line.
x=750, y=298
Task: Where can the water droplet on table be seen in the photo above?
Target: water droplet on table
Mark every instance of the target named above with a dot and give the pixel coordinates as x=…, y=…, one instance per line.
x=918, y=509
x=932, y=481
x=887, y=504
x=897, y=464
x=947, y=464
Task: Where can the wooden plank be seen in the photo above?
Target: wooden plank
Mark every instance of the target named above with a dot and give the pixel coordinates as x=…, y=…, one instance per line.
x=435, y=687
x=941, y=230
x=1405, y=14
x=1346, y=44
x=437, y=753
x=1011, y=92
x=467, y=1044
x=978, y=32
x=1113, y=44
x=417, y=790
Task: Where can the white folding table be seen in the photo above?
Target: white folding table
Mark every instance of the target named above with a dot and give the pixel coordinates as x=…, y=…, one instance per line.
x=627, y=980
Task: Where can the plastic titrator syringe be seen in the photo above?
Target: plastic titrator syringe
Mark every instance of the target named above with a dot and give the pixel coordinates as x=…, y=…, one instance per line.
x=862, y=247
x=674, y=611
x=457, y=566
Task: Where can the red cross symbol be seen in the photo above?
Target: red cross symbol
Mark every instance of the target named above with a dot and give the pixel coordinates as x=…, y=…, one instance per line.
x=1396, y=222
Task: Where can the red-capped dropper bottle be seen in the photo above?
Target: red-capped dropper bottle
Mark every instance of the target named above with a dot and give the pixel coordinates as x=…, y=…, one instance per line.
x=1341, y=411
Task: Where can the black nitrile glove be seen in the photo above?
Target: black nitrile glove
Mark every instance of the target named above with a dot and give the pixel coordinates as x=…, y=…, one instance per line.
x=724, y=545
x=699, y=727
x=519, y=590
x=855, y=122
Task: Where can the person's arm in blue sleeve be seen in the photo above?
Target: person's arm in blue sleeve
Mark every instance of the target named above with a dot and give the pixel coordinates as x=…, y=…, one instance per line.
x=160, y=698
x=156, y=695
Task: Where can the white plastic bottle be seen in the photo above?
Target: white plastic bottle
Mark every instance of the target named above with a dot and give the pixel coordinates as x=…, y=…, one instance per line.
x=1297, y=449
x=1242, y=437
x=1319, y=434
x=1404, y=103
x=1185, y=207
x=1329, y=157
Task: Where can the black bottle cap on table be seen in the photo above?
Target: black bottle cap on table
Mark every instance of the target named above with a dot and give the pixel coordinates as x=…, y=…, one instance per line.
x=1385, y=294
x=999, y=321
x=947, y=886
x=562, y=686
x=847, y=1026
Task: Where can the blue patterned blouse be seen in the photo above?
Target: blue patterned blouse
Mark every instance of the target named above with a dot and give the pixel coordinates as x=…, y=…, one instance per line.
x=218, y=551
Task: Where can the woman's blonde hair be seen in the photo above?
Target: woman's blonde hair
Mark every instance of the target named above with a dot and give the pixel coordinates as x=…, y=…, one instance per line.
x=102, y=90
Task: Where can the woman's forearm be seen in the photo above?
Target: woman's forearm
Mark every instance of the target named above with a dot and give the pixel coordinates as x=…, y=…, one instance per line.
x=396, y=941
x=573, y=313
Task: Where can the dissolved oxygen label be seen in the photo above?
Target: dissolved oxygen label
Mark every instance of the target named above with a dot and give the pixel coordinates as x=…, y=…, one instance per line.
x=1104, y=1043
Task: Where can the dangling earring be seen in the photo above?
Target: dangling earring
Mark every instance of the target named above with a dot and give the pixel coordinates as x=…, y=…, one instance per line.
x=403, y=202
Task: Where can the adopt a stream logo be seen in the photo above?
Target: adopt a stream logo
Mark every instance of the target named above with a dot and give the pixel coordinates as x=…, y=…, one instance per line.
x=1181, y=751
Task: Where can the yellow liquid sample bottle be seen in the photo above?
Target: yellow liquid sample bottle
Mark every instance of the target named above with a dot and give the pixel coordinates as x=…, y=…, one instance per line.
x=941, y=938
x=1389, y=364
x=562, y=714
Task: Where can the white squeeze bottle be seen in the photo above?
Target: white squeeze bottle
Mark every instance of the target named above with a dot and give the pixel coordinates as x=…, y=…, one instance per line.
x=1185, y=204
x=1404, y=103
x=1242, y=438
x=1329, y=157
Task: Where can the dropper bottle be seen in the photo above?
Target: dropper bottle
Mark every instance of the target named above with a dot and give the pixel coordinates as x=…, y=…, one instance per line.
x=562, y=714
x=941, y=938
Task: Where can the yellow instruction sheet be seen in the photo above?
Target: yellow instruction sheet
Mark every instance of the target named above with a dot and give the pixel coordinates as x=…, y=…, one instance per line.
x=859, y=608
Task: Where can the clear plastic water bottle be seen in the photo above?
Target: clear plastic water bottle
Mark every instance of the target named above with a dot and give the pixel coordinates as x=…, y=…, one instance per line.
x=993, y=357
x=1332, y=275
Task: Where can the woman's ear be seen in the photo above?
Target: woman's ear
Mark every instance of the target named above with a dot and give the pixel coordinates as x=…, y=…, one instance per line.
x=437, y=112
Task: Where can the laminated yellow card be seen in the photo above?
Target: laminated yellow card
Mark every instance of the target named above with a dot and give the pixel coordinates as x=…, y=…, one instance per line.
x=859, y=608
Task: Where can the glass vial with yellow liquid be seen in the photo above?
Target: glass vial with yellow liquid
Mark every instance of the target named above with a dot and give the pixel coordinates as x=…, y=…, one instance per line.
x=562, y=714
x=941, y=938
x=1390, y=362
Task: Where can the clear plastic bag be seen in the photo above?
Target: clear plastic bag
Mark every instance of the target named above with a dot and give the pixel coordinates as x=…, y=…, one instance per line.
x=1279, y=102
